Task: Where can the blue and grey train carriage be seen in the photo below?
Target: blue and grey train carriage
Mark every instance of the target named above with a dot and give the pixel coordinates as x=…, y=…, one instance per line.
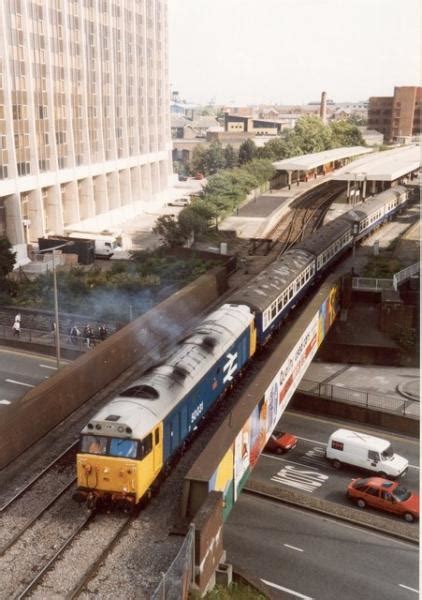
x=126, y=445
x=273, y=293
x=369, y=215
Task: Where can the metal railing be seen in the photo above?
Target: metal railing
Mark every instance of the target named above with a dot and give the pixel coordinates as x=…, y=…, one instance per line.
x=405, y=274
x=381, y=402
x=48, y=338
x=175, y=583
x=371, y=284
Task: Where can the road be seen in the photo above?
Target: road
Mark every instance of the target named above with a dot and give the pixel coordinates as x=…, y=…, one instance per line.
x=307, y=556
x=21, y=371
x=305, y=468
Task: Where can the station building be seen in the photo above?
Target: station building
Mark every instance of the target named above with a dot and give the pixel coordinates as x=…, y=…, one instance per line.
x=84, y=114
x=308, y=166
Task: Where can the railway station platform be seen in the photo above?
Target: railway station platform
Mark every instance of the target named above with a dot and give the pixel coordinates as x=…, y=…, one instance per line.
x=258, y=216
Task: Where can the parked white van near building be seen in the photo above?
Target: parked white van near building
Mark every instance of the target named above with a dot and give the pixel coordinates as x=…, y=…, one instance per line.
x=364, y=451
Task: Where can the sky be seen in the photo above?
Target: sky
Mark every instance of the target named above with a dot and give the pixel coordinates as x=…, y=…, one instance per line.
x=289, y=51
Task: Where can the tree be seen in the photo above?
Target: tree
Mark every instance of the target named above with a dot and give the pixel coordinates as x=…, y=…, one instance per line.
x=195, y=219
x=345, y=133
x=312, y=135
x=170, y=231
x=247, y=151
x=7, y=258
x=230, y=157
x=214, y=158
x=199, y=159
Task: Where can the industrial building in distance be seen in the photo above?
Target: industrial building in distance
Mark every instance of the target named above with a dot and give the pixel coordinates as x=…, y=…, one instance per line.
x=398, y=117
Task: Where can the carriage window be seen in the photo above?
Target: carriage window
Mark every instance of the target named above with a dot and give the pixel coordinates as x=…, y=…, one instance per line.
x=273, y=310
x=94, y=444
x=122, y=447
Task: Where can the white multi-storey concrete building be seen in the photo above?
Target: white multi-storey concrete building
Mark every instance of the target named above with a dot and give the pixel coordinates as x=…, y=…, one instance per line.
x=84, y=114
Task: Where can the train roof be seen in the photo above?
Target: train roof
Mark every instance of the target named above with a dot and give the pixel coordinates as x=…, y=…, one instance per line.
x=371, y=205
x=322, y=239
x=263, y=289
x=147, y=401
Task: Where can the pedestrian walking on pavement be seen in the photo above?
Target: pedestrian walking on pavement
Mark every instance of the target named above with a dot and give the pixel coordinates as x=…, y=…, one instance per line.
x=16, y=328
x=18, y=317
x=103, y=332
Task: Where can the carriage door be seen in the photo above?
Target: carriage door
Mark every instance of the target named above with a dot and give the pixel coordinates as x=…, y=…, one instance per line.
x=158, y=448
x=174, y=432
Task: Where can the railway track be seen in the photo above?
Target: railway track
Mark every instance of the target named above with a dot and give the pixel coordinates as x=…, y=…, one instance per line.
x=51, y=573
x=307, y=214
x=65, y=458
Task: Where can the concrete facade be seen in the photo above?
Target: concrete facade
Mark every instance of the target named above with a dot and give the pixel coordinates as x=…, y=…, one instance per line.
x=84, y=114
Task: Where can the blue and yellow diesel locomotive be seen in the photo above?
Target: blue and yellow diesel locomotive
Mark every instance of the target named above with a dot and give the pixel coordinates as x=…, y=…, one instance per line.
x=128, y=444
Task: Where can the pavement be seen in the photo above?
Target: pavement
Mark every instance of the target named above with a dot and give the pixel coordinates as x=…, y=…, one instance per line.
x=393, y=389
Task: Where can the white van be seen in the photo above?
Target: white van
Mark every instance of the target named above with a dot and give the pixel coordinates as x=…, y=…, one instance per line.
x=364, y=451
x=105, y=245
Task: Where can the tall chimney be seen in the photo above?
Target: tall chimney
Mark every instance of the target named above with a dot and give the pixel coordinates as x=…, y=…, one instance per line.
x=323, y=108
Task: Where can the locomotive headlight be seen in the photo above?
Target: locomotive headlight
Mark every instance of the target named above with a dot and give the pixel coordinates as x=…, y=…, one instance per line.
x=120, y=429
x=97, y=426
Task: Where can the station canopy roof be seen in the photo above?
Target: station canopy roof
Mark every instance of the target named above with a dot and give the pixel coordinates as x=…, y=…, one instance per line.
x=382, y=166
x=311, y=161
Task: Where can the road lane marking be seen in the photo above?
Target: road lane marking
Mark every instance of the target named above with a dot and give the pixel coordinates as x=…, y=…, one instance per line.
x=406, y=587
x=361, y=427
x=324, y=444
x=292, y=592
x=5, y=402
x=48, y=367
x=311, y=441
x=289, y=461
x=19, y=383
x=293, y=547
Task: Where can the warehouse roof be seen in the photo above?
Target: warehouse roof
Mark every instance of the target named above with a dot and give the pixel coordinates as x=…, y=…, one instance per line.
x=311, y=161
x=382, y=166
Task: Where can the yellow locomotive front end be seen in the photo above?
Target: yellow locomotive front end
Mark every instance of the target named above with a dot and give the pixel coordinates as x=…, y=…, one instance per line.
x=116, y=472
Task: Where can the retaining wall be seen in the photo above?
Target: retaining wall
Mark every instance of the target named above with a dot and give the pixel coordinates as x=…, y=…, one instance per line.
x=352, y=412
x=27, y=419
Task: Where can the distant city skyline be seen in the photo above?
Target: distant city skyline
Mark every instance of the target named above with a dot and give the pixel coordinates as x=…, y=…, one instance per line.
x=219, y=49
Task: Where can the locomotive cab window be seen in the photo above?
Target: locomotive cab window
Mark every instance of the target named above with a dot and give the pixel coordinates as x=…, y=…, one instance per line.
x=157, y=436
x=146, y=446
x=122, y=447
x=94, y=444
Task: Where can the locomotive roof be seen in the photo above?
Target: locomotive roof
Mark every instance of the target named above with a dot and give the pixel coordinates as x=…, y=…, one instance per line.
x=263, y=289
x=146, y=401
x=322, y=239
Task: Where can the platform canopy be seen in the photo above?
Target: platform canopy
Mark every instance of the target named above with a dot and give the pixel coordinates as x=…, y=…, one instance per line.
x=382, y=166
x=307, y=162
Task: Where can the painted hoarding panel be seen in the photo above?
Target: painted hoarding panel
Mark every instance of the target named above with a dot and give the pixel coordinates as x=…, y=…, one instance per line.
x=257, y=429
x=222, y=481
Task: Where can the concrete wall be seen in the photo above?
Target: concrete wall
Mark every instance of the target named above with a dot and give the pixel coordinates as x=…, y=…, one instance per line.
x=360, y=414
x=37, y=412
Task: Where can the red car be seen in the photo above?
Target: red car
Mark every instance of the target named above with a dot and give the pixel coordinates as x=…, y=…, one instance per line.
x=386, y=495
x=281, y=442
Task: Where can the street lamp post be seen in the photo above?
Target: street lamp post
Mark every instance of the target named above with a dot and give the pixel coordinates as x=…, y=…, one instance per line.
x=56, y=302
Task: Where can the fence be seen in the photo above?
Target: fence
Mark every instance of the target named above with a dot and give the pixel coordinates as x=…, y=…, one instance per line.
x=405, y=274
x=371, y=284
x=47, y=338
x=371, y=400
x=175, y=584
